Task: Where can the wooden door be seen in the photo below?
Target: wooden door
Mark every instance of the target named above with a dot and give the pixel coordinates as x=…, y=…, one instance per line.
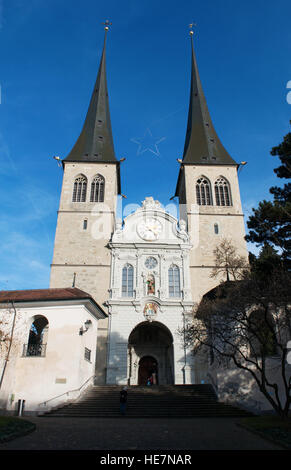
x=146, y=365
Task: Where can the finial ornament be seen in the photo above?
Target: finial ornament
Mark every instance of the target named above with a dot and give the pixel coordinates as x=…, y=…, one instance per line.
x=106, y=25
x=191, y=25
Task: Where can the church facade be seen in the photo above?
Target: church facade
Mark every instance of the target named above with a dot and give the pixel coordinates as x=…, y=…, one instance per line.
x=135, y=281
x=150, y=269
x=150, y=296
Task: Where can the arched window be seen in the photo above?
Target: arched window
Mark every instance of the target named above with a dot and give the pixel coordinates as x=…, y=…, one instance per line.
x=97, y=189
x=80, y=189
x=127, y=281
x=203, y=192
x=174, y=281
x=216, y=229
x=37, y=339
x=222, y=192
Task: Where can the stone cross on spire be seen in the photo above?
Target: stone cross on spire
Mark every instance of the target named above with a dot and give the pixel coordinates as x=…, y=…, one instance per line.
x=106, y=25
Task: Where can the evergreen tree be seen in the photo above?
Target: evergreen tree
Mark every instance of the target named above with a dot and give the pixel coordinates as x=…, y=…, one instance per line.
x=270, y=224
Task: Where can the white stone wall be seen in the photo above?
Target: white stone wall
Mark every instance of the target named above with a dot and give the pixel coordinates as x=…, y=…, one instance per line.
x=62, y=370
x=238, y=387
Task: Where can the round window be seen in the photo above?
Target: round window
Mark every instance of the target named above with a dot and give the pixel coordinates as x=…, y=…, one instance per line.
x=151, y=262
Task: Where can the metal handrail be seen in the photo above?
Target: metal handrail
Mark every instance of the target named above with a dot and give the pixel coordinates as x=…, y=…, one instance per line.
x=44, y=403
x=34, y=350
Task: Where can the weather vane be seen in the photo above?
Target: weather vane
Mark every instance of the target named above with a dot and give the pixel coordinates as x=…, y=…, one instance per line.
x=191, y=25
x=106, y=25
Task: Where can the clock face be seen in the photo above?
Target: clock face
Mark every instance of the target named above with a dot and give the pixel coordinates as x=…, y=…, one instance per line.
x=149, y=229
x=151, y=263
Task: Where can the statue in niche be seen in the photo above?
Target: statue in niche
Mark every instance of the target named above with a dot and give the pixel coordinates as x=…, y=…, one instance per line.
x=151, y=285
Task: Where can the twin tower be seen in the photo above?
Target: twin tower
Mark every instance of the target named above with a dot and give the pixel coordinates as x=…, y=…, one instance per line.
x=207, y=188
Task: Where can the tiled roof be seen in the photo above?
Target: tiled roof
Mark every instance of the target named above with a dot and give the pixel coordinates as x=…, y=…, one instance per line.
x=43, y=294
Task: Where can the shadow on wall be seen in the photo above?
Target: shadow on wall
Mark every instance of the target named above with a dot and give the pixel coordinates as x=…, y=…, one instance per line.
x=199, y=370
x=238, y=387
x=103, y=353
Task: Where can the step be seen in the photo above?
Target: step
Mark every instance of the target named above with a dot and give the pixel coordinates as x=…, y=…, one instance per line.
x=161, y=401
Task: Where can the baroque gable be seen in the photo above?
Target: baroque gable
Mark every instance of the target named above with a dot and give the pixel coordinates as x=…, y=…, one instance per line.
x=150, y=251
x=149, y=224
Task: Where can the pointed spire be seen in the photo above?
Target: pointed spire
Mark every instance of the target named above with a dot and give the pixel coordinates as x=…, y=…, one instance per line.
x=95, y=143
x=202, y=144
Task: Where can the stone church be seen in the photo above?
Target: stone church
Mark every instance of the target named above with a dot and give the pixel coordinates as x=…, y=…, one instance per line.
x=131, y=284
x=150, y=268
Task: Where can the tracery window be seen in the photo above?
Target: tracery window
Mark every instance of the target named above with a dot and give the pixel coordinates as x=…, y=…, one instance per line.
x=203, y=192
x=127, y=281
x=80, y=189
x=97, y=189
x=222, y=192
x=174, y=281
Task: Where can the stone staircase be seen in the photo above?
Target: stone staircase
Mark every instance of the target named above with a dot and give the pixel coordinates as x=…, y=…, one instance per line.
x=158, y=401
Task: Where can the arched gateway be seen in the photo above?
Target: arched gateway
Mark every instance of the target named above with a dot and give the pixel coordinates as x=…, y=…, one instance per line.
x=150, y=348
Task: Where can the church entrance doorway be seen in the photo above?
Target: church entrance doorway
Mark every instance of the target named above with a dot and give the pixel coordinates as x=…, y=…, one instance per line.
x=150, y=347
x=147, y=366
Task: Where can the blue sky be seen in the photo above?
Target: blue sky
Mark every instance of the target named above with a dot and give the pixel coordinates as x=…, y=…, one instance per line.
x=50, y=52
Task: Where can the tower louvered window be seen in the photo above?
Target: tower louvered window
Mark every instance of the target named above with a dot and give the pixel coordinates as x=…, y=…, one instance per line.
x=80, y=189
x=174, y=281
x=127, y=281
x=222, y=192
x=203, y=192
x=97, y=189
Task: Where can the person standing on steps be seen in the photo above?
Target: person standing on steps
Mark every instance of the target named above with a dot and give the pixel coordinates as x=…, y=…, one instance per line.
x=123, y=400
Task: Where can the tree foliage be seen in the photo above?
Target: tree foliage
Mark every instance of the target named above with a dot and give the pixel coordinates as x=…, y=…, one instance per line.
x=228, y=262
x=271, y=221
x=242, y=323
x=246, y=321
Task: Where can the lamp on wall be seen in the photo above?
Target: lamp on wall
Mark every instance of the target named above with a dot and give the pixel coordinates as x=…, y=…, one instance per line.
x=85, y=328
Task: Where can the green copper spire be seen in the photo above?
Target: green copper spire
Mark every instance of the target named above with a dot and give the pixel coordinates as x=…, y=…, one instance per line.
x=202, y=144
x=95, y=143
